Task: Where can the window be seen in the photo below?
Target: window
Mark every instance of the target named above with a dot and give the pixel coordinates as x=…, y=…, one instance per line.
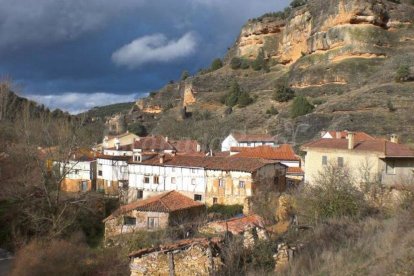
x=198, y=197
x=140, y=194
x=340, y=161
x=214, y=200
x=390, y=167
x=193, y=181
x=221, y=183
x=146, y=179
x=76, y=171
x=100, y=172
x=130, y=221
x=152, y=223
x=193, y=170
x=173, y=181
x=137, y=158
x=84, y=186
x=324, y=160
x=242, y=184
x=156, y=179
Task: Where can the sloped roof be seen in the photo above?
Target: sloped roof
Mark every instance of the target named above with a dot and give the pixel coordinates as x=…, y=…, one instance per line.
x=237, y=225
x=241, y=137
x=185, y=146
x=381, y=146
x=164, y=203
x=156, y=143
x=358, y=136
x=282, y=152
x=229, y=163
x=295, y=170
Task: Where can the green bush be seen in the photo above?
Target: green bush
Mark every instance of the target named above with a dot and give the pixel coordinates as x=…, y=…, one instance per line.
x=272, y=111
x=226, y=210
x=216, y=64
x=403, y=73
x=245, y=64
x=138, y=129
x=284, y=94
x=298, y=3
x=236, y=96
x=390, y=106
x=185, y=75
x=244, y=99
x=259, y=63
x=201, y=115
x=301, y=107
x=235, y=63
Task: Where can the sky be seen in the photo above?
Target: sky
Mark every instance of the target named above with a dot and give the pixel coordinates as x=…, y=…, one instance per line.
x=77, y=54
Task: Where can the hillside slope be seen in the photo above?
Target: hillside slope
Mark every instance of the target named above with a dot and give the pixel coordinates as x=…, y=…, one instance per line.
x=343, y=56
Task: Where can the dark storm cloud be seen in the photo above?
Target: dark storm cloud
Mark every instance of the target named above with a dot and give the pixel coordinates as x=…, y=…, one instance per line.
x=61, y=49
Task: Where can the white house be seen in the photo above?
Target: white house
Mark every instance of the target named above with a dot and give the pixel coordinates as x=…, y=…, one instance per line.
x=149, y=175
x=112, y=174
x=247, y=140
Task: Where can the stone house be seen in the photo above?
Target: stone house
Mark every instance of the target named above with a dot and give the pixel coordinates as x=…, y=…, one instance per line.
x=282, y=153
x=112, y=174
x=247, y=140
x=232, y=180
x=198, y=256
x=384, y=161
x=157, y=212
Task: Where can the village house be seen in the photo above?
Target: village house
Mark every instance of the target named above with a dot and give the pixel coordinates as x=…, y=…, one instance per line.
x=214, y=180
x=124, y=139
x=283, y=153
x=247, y=140
x=112, y=174
x=170, y=209
x=367, y=158
x=79, y=172
x=343, y=134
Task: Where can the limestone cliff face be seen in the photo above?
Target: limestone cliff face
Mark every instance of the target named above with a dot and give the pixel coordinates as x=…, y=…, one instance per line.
x=350, y=27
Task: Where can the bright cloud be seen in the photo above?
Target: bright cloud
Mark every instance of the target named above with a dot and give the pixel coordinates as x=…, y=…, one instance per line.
x=154, y=48
x=76, y=103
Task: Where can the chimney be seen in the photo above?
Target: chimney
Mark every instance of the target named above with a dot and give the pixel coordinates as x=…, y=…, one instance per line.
x=198, y=148
x=166, y=138
x=395, y=139
x=162, y=158
x=351, y=140
x=117, y=143
x=338, y=134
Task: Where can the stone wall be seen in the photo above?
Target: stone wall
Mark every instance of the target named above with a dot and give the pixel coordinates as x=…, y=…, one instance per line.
x=197, y=259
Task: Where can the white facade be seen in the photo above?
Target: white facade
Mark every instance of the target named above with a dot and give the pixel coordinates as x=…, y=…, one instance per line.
x=230, y=142
x=115, y=152
x=152, y=179
x=112, y=170
x=73, y=169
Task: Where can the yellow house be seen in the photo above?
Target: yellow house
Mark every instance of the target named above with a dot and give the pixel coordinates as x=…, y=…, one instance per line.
x=373, y=159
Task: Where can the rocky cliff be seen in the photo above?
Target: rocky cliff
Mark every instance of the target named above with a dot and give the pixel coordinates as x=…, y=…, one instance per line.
x=342, y=55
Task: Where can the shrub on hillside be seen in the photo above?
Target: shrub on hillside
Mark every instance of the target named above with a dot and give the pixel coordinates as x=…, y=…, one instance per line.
x=298, y=3
x=216, y=64
x=332, y=195
x=260, y=63
x=138, y=129
x=185, y=74
x=300, y=107
x=235, y=63
x=403, y=73
x=236, y=96
x=244, y=99
x=272, y=111
x=283, y=94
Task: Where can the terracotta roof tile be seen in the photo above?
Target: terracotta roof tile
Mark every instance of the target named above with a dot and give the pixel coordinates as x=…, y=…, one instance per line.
x=359, y=135
x=294, y=170
x=164, y=203
x=185, y=146
x=155, y=143
x=237, y=225
x=240, y=137
x=229, y=163
x=282, y=152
